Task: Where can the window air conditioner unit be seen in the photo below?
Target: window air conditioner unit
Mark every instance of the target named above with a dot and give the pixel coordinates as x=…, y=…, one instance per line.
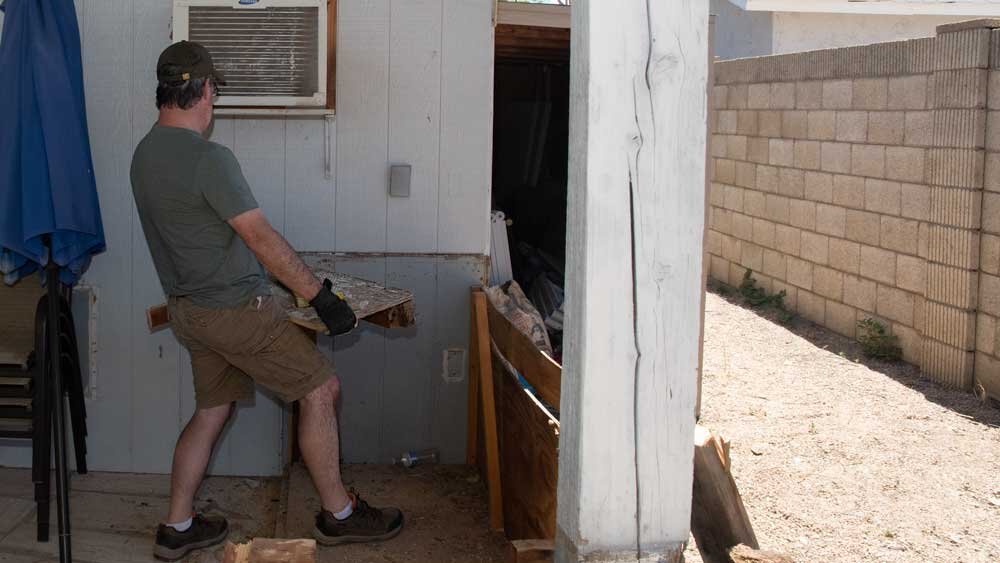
x=272, y=52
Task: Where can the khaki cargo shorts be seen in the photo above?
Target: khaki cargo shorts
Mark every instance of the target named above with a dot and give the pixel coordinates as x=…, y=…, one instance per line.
x=232, y=349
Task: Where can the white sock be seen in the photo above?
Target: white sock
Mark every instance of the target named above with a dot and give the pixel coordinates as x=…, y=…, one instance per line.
x=346, y=512
x=182, y=526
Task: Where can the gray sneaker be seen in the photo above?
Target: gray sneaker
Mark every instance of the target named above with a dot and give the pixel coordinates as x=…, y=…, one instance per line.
x=365, y=524
x=205, y=531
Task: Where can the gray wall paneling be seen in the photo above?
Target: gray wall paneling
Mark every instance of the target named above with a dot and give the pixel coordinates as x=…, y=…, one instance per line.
x=360, y=359
x=363, y=125
x=155, y=389
x=466, y=127
x=415, y=113
x=106, y=27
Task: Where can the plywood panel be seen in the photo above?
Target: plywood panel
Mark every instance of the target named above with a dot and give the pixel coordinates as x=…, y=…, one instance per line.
x=260, y=149
x=107, y=87
x=360, y=358
x=466, y=126
x=415, y=122
x=448, y=398
x=411, y=363
x=362, y=125
x=310, y=197
x=529, y=460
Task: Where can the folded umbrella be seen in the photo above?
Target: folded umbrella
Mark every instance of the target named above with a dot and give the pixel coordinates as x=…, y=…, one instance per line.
x=47, y=186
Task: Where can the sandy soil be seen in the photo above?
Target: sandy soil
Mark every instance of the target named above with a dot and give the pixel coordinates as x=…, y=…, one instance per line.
x=841, y=459
x=444, y=506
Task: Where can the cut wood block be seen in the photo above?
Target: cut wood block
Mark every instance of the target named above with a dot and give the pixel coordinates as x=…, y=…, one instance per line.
x=530, y=551
x=719, y=521
x=157, y=317
x=745, y=554
x=264, y=550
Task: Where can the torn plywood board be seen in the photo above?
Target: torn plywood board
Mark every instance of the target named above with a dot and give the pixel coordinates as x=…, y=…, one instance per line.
x=17, y=320
x=385, y=306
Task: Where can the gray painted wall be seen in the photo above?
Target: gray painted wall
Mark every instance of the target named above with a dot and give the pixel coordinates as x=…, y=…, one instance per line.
x=796, y=32
x=740, y=34
x=421, y=95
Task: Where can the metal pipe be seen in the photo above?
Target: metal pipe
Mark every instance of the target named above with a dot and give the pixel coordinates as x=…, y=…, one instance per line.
x=59, y=427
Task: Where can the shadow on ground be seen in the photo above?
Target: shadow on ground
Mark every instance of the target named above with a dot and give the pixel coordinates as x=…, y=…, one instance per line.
x=961, y=402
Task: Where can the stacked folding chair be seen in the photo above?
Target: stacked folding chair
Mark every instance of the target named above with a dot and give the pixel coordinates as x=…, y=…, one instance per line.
x=26, y=404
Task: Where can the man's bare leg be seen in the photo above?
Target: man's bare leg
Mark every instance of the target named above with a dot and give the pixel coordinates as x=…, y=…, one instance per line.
x=320, y=444
x=191, y=456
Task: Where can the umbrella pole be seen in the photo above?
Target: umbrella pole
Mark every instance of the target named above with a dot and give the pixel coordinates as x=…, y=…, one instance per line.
x=59, y=426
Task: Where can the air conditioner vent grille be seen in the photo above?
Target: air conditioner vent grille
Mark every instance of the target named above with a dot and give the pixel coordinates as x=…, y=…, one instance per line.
x=271, y=51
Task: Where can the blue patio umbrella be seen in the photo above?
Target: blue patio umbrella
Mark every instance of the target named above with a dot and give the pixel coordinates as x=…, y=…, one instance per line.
x=49, y=211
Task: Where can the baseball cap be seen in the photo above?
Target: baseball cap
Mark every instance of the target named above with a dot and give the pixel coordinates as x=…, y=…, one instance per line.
x=186, y=60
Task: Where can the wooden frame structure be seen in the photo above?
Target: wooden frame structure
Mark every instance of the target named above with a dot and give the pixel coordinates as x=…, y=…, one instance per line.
x=513, y=433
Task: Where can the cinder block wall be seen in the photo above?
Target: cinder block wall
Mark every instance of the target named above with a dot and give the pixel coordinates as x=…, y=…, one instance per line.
x=987, y=366
x=853, y=180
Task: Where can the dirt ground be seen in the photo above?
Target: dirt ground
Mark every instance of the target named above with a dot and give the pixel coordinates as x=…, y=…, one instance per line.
x=444, y=507
x=114, y=515
x=841, y=459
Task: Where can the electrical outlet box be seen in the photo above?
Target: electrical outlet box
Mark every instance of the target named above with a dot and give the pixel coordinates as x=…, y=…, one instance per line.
x=453, y=369
x=399, y=180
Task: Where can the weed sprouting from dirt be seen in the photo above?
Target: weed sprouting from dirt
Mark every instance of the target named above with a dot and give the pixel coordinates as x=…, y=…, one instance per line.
x=877, y=343
x=758, y=298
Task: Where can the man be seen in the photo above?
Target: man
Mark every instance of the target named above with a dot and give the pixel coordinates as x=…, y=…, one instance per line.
x=208, y=239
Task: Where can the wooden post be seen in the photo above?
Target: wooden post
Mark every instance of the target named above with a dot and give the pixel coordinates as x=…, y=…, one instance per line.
x=487, y=403
x=638, y=102
x=708, y=186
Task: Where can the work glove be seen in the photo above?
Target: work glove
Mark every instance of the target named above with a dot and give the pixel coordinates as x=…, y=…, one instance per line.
x=335, y=313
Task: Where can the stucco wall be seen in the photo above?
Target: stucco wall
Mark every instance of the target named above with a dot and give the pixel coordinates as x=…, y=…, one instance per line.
x=797, y=31
x=740, y=34
x=853, y=179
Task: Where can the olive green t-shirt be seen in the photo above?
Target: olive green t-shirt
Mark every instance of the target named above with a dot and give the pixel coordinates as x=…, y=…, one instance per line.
x=185, y=189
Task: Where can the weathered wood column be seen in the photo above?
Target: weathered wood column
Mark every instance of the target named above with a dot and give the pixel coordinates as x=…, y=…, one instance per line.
x=634, y=274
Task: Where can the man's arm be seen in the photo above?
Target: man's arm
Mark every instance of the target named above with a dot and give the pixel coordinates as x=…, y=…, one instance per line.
x=275, y=253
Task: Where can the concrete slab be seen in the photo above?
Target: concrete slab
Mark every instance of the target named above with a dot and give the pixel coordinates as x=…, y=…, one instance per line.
x=12, y=511
x=444, y=507
x=16, y=483
x=115, y=515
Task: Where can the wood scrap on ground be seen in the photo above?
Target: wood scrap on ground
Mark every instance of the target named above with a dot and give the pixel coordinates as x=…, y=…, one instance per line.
x=264, y=550
x=719, y=521
x=530, y=551
x=746, y=554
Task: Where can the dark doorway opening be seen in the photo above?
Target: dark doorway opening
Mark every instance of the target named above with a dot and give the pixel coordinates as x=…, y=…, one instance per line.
x=530, y=160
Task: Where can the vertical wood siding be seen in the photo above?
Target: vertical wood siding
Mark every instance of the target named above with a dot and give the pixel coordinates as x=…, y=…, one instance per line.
x=414, y=86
